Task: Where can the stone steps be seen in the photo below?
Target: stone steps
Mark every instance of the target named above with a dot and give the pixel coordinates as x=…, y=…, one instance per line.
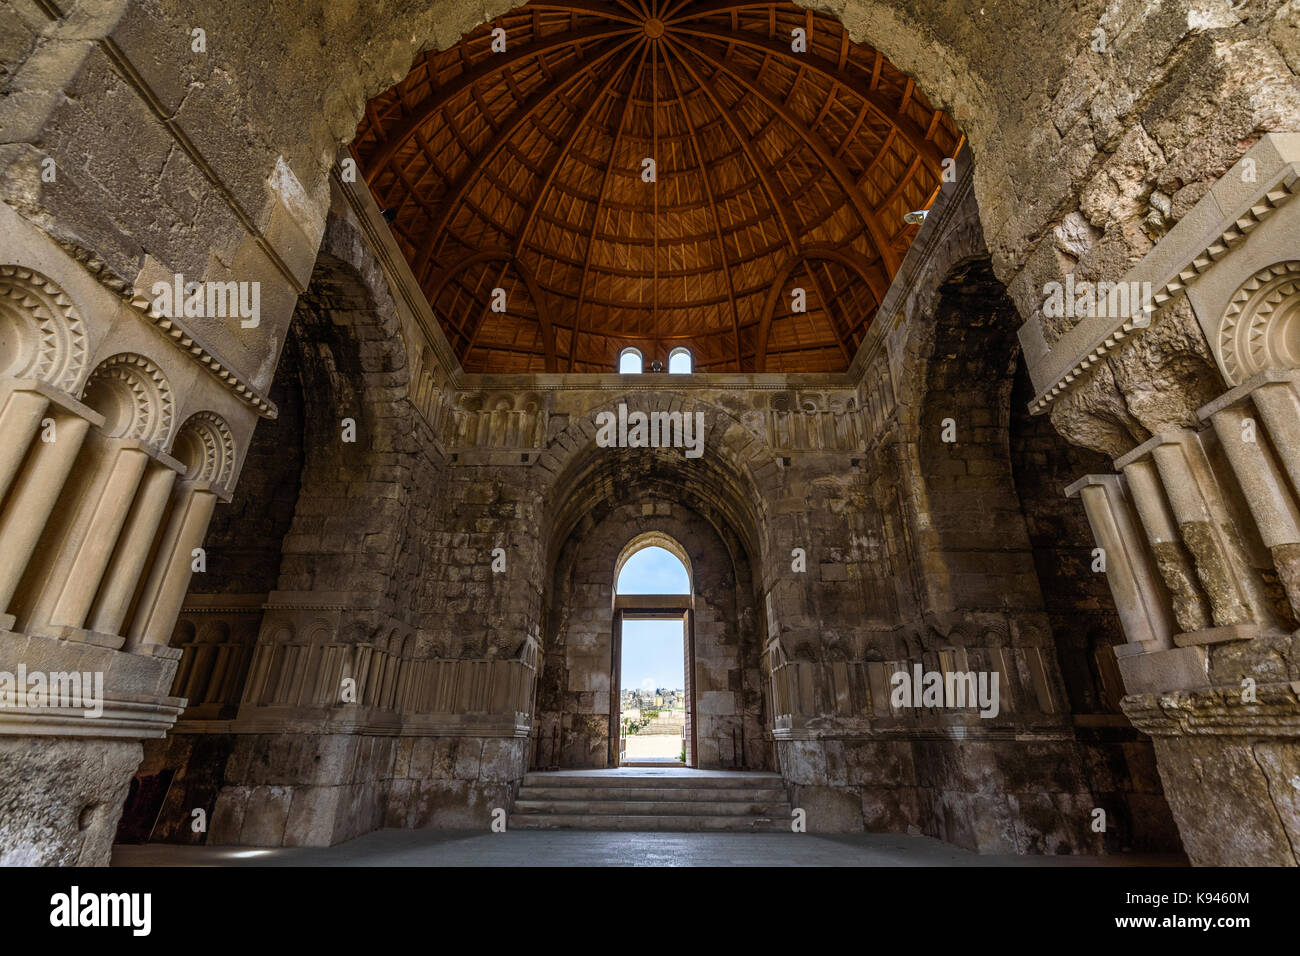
x=670, y=779
x=680, y=800
x=639, y=823
x=711, y=808
x=637, y=794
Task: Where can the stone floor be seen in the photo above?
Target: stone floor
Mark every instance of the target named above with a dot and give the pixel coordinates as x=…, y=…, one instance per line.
x=607, y=848
x=586, y=848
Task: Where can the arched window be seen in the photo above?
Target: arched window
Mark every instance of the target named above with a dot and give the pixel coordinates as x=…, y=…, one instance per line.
x=629, y=362
x=679, y=360
x=653, y=570
x=653, y=659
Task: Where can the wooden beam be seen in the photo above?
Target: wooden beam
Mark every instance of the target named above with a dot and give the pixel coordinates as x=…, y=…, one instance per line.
x=534, y=291
x=902, y=182
x=887, y=111
x=836, y=168
x=826, y=307
x=591, y=8
x=600, y=201
x=696, y=11
x=489, y=66
x=553, y=166
x=451, y=204
x=713, y=207
x=654, y=187
x=487, y=305
x=778, y=207
x=816, y=251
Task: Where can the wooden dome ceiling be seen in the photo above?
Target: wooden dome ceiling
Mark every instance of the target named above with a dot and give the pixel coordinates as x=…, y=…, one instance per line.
x=524, y=169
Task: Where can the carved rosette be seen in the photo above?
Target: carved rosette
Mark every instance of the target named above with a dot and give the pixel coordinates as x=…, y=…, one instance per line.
x=41, y=333
x=1261, y=327
x=206, y=446
x=134, y=397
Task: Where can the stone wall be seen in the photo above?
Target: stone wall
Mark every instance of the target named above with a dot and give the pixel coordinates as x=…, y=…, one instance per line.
x=336, y=699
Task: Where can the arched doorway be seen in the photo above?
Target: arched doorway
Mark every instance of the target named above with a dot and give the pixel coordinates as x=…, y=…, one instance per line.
x=607, y=507
x=652, y=660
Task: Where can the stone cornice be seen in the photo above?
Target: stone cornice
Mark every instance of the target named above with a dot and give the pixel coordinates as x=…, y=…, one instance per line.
x=207, y=357
x=1216, y=225
x=181, y=337
x=130, y=720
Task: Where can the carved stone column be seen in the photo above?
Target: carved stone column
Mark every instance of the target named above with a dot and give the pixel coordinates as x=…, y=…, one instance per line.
x=169, y=577
x=22, y=407
x=1205, y=527
x=1258, y=453
x=33, y=494
x=1171, y=558
x=123, y=574
x=1140, y=597
x=112, y=470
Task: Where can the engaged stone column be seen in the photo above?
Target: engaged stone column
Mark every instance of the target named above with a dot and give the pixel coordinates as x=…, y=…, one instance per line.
x=1229, y=581
x=76, y=571
x=1258, y=426
x=32, y=498
x=21, y=411
x=164, y=590
x=132, y=552
x=1140, y=597
x=1269, y=500
x=1172, y=560
x=1277, y=396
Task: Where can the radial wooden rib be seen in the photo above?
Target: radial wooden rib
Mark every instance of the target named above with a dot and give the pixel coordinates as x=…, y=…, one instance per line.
x=890, y=113
x=383, y=154
x=612, y=11
x=522, y=115
x=600, y=199
x=856, y=263
x=713, y=207
x=569, y=140
x=824, y=152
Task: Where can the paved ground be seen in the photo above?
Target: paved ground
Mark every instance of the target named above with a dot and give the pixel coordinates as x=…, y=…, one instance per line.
x=640, y=746
x=586, y=848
